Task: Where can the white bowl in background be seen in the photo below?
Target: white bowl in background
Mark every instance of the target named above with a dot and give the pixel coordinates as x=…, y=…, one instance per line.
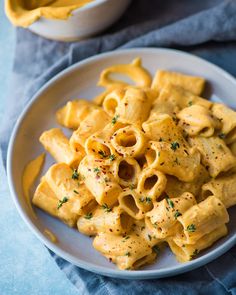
x=86, y=21
x=39, y=116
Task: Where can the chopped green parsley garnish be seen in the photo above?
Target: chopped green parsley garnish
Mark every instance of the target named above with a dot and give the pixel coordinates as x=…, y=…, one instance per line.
x=106, y=208
x=156, y=249
x=132, y=186
x=96, y=170
x=125, y=238
x=195, y=253
x=75, y=174
x=191, y=228
x=75, y=191
x=149, y=237
x=148, y=200
x=174, y=145
x=112, y=157
x=114, y=120
x=170, y=202
x=221, y=135
x=88, y=215
x=61, y=202
x=190, y=103
x=177, y=214
x=127, y=254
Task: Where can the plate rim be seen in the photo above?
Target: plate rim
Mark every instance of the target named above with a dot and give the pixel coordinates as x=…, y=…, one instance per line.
x=116, y=273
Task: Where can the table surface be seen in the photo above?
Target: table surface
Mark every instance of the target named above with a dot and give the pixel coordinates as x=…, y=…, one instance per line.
x=26, y=266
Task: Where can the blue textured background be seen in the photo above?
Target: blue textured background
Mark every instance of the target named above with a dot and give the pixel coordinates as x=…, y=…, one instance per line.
x=26, y=266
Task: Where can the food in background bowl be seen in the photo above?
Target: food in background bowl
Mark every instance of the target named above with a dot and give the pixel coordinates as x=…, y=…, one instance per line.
x=65, y=20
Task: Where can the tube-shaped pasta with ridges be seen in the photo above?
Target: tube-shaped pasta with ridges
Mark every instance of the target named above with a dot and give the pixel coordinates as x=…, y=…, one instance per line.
x=193, y=84
x=127, y=251
x=198, y=120
x=57, y=144
x=201, y=219
x=175, y=187
x=99, y=144
x=139, y=227
x=45, y=199
x=173, y=159
x=112, y=100
x=126, y=171
x=105, y=219
x=151, y=183
x=227, y=117
x=135, y=107
x=61, y=178
x=161, y=127
x=129, y=141
x=134, y=204
x=74, y=112
x=215, y=155
x=179, y=98
x=187, y=252
x=163, y=217
x=99, y=180
x=94, y=122
x=223, y=188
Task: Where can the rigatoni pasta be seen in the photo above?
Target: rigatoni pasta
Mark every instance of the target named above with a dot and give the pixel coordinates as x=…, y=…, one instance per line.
x=147, y=165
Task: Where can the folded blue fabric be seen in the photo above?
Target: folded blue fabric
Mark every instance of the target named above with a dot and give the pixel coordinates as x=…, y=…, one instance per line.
x=205, y=28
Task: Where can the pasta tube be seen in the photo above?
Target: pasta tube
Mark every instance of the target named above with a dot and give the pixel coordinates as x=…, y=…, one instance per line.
x=129, y=141
x=151, y=183
x=57, y=144
x=128, y=251
x=187, y=252
x=95, y=121
x=99, y=144
x=112, y=100
x=198, y=120
x=45, y=199
x=163, y=217
x=74, y=112
x=135, y=107
x=162, y=127
x=223, y=188
x=174, y=187
x=180, y=98
x=99, y=180
x=105, y=219
x=216, y=156
x=65, y=183
x=134, y=204
x=173, y=159
x=228, y=119
x=126, y=171
x=201, y=219
x=193, y=84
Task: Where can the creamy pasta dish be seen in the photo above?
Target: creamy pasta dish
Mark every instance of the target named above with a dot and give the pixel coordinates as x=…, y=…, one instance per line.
x=147, y=165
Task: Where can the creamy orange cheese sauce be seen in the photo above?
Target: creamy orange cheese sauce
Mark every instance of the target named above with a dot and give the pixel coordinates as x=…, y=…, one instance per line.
x=30, y=174
x=25, y=12
x=51, y=236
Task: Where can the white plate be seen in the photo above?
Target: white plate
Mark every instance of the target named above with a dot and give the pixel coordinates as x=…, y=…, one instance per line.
x=80, y=81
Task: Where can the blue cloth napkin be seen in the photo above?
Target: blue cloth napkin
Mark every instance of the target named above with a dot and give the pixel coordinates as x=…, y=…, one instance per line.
x=205, y=28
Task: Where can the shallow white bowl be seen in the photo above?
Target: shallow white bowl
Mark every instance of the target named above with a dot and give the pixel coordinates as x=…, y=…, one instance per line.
x=84, y=22
x=79, y=81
